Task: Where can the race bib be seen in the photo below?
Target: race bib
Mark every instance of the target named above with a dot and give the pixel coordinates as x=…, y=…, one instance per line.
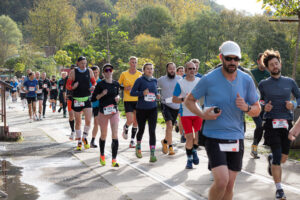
x=14, y=89
x=40, y=91
x=53, y=87
x=31, y=89
x=45, y=85
x=150, y=97
x=109, y=109
x=61, y=87
x=169, y=100
x=230, y=147
x=78, y=104
x=280, y=123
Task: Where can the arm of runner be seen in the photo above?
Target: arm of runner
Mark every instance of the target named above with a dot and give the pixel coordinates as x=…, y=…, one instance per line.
x=294, y=132
x=135, y=89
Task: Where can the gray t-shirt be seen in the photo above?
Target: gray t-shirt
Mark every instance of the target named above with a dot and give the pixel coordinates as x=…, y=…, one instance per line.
x=167, y=86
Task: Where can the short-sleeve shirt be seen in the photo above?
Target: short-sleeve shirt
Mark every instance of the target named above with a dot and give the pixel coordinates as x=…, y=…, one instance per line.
x=167, y=86
x=182, y=89
x=128, y=79
x=31, y=87
x=220, y=92
x=260, y=75
x=15, y=86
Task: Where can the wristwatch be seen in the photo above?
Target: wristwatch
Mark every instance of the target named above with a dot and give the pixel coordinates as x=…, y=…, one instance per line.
x=182, y=99
x=249, y=108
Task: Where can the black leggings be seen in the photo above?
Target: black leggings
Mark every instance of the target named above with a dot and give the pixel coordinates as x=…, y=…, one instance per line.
x=44, y=103
x=146, y=115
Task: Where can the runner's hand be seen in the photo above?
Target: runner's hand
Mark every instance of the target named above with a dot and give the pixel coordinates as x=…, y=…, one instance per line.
x=104, y=92
x=268, y=106
x=210, y=115
x=240, y=103
x=92, y=88
x=158, y=96
x=75, y=85
x=293, y=133
x=117, y=99
x=128, y=88
x=146, y=92
x=289, y=105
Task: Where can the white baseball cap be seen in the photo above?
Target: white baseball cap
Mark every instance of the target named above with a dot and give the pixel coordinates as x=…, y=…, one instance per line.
x=230, y=48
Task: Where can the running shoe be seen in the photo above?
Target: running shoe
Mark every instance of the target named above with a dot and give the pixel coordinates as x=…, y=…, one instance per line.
x=30, y=120
x=171, y=151
x=254, y=151
x=125, y=132
x=79, y=147
x=65, y=115
x=72, y=136
x=86, y=144
x=195, y=157
x=189, y=164
x=44, y=116
x=59, y=109
x=176, y=127
x=153, y=159
x=114, y=163
x=138, y=152
x=132, y=144
x=102, y=160
x=164, y=147
x=280, y=194
x=270, y=159
x=93, y=145
x=182, y=139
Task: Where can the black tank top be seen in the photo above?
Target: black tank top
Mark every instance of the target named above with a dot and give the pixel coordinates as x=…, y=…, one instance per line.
x=83, y=89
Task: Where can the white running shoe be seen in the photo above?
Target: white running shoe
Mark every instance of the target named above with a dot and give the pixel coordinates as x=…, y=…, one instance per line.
x=125, y=133
x=72, y=136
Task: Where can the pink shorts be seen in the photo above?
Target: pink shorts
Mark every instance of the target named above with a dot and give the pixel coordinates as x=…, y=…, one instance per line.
x=103, y=119
x=191, y=122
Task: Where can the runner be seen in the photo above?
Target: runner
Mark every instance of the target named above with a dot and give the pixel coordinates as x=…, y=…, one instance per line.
x=107, y=91
x=180, y=71
x=229, y=93
x=22, y=93
x=178, y=124
x=95, y=106
x=145, y=88
x=46, y=91
x=7, y=90
x=62, y=93
x=14, y=90
x=276, y=92
x=40, y=96
x=127, y=79
x=259, y=74
x=79, y=82
x=53, y=93
x=190, y=122
x=31, y=87
x=169, y=109
x=69, y=100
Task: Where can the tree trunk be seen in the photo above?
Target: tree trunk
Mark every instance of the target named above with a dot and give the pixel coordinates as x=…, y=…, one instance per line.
x=297, y=49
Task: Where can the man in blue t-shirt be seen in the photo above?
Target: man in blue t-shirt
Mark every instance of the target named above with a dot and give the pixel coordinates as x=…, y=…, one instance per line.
x=31, y=87
x=234, y=93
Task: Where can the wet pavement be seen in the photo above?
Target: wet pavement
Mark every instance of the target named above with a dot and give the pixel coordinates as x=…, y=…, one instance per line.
x=50, y=163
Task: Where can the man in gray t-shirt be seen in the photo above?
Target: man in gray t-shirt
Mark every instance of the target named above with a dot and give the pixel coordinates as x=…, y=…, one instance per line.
x=168, y=108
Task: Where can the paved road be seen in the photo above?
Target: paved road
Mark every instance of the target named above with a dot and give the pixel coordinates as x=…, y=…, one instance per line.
x=51, y=163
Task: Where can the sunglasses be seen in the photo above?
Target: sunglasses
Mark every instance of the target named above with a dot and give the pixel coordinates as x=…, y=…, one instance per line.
x=230, y=58
x=191, y=68
x=108, y=70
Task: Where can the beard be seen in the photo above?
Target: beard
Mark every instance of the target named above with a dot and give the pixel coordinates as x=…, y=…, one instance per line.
x=274, y=73
x=229, y=68
x=171, y=76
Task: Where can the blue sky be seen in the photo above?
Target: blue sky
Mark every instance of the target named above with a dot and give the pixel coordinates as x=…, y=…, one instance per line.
x=250, y=6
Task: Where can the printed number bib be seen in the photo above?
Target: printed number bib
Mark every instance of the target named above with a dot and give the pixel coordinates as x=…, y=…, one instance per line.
x=169, y=100
x=78, y=104
x=109, y=109
x=31, y=89
x=14, y=89
x=39, y=91
x=280, y=123
x=45, y=85
x=53, y=87
x=231, y=147
x=61, y=87
x=150, y=97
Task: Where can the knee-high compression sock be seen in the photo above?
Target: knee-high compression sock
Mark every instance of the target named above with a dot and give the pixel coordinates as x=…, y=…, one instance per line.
x=86, y=131
x=72, y=125
x=152, y=150
x=189, y=153
x=114, y=148
x=78, y=135
x=195, y=147
x=133, y=132
x=101, y=146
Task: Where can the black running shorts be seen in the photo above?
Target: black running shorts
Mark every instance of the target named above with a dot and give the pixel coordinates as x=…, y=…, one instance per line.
x=130, y=106
x=77, y=108
x=169, y=113
x=95, y=111
x=31, y=99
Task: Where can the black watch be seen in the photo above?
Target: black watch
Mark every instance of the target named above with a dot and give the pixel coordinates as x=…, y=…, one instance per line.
x=182, y=99
x=249, y=108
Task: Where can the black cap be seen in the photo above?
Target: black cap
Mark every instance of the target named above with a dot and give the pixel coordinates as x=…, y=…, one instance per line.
x=107, y=65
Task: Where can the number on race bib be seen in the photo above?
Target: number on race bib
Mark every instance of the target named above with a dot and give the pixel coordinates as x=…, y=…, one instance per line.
x=150, y=97
x=31, y=89
x=280, y=123
x=109, y=109
x=39, y=91
x=78, y=104
x=230, y=147
x=53, y=87
x=45, y=85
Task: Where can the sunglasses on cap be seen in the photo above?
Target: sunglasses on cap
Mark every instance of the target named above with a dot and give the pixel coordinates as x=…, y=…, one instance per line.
x=230, y=58
x=108, y=70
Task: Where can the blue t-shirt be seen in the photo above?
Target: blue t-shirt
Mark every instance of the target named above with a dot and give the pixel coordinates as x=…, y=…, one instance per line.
x=15, y=85
x=95, y=104
x=218, y=91
x=31, y=87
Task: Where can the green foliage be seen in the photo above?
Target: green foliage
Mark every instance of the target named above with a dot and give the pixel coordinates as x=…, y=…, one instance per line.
x=74, y=51
x=19, y=67
x=10, y=38
x=61, y=57
x=282, y=7
x=16, y=9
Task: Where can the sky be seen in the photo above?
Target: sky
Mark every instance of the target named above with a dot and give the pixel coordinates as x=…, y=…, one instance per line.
x=250, y=6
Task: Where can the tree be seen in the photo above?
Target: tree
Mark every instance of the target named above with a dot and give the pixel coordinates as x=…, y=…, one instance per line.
x=61, y=57
x=52, y=23
x=153, y=21
x=286, y=8
x=10, y=38
x=16, y=9
x=74, y=50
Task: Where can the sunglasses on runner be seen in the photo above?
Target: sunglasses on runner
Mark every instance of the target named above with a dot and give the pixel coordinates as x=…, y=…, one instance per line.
x=108, y=70
x=236, y=59
x=192, y=68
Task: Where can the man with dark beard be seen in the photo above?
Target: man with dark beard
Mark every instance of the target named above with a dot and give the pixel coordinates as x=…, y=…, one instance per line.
x=169, y=109
x=229, y=93
x=276, y=92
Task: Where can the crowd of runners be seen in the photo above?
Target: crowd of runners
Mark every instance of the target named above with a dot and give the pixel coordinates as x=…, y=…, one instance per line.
x=207, y=110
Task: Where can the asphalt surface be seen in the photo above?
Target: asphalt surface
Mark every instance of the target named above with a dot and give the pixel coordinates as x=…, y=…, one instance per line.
x=52, y=165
